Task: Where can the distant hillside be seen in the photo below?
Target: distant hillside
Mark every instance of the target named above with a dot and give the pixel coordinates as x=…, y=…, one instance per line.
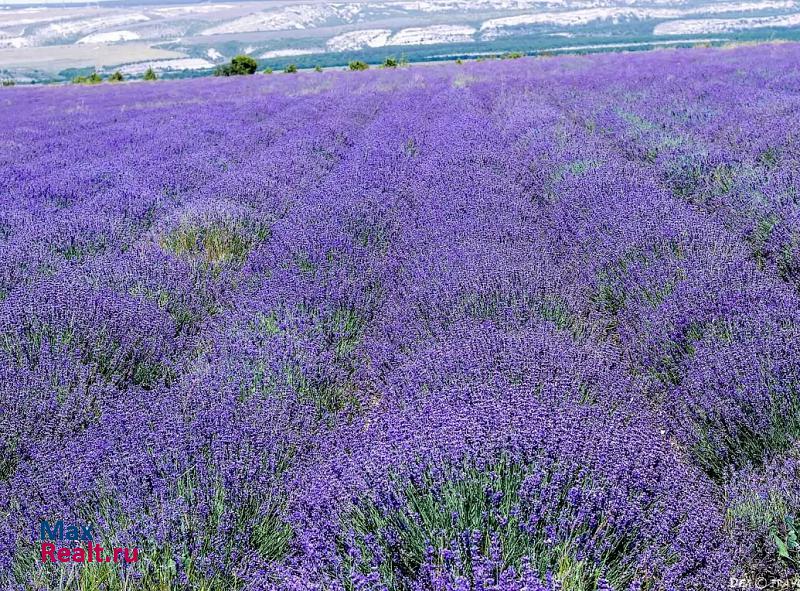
x=52, y=41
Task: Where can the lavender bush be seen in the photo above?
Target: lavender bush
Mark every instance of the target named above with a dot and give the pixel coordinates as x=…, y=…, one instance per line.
x=526, y=325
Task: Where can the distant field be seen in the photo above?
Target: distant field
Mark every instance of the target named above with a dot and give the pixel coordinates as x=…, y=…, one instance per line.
x=520, y=325
x=82, y=56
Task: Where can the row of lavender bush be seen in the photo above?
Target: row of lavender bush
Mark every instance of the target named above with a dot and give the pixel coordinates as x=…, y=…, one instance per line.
x=523, y=325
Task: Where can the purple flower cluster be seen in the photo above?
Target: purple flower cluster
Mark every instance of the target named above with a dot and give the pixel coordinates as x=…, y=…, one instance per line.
x=522, y=325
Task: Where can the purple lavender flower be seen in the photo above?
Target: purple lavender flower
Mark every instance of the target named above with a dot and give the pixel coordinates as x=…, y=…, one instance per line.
x=521, y=325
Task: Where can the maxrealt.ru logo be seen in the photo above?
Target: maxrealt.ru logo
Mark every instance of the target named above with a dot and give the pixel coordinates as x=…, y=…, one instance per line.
x=67, y=545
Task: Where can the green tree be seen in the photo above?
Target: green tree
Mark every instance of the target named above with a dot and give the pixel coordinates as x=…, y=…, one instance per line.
x=150, y=74
x=244, y=64
x=241, y=65
x=317, y=68
x=358, y=65
x=390, y=62
x=116, y=77
x=290, y=69
x=93, y=78
x=268, y=70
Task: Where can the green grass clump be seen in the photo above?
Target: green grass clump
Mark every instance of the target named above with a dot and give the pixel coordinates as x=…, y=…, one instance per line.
x=254, y=525
x=788, y=262
x=216, y=244
x=771, y=517
x=341, y=333
x=769, y=158
x=687, y=178
x=79, y=250
x=473, y=513
x=724, y=445
x=103, y=355
x=9, y=460
x=760, y=236
x=503, y=308
x=187, y=315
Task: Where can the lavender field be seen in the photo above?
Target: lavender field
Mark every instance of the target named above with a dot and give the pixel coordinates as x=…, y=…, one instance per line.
x=526, y=325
